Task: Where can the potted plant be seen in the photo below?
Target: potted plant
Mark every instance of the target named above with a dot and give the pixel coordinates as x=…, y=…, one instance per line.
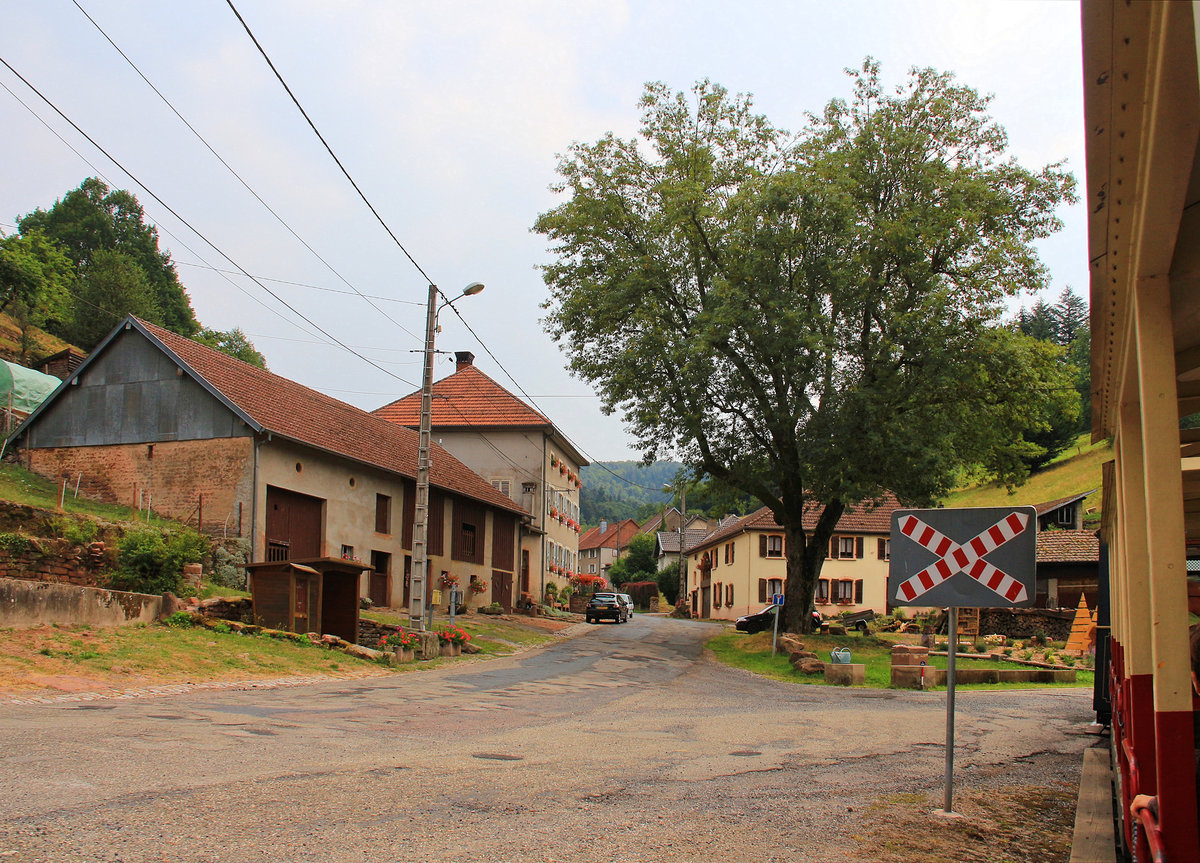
x=478, y=586
x=447, y=581
x=402, y=642
x=451, y=639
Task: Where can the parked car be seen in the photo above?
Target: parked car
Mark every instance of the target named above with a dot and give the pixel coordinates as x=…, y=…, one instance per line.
x=758, y=621
x=627, y=601
x=605, y=606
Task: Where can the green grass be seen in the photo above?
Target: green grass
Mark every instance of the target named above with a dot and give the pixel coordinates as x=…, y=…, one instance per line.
x=753, y=653
x=1074, y=471
x=139, y=655
x=23, y=487
x=493, y=636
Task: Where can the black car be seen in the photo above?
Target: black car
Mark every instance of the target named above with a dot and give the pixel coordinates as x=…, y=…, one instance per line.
x=605, y=606
x=758, y=621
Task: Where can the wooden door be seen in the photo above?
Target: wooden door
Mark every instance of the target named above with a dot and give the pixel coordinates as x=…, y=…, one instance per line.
x=293, y=525
x=502, y=589
x=381, y=567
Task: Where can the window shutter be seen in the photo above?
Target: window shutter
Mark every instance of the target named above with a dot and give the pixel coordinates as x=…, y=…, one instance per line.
x=858, y=591
x=729, y=595
x=762, y=589
x=881, y=550
x=833, y=547
x=762, y=547
x=858, y=547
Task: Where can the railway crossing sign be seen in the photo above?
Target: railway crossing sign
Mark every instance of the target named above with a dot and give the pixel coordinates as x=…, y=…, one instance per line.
x=976, y=558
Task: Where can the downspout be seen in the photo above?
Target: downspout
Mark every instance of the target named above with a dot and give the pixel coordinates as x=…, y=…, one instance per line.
x=254, y=507
x=542, y=486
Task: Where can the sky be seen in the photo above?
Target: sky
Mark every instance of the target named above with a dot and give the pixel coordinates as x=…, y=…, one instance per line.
x=450, y=116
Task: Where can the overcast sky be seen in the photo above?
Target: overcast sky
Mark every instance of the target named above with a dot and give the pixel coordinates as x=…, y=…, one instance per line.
x=450, y=116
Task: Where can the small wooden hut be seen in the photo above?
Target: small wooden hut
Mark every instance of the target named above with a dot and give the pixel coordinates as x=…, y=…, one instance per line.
x=312, y=595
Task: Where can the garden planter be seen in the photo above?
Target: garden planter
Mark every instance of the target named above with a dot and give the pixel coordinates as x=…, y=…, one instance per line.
x=405, y=655
x=450, y=649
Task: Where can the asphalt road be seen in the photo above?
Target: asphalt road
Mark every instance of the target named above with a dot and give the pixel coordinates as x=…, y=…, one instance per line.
x=623, y=744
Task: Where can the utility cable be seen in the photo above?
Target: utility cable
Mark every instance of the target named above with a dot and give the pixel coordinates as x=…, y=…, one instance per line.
x=238, y=176
x=325, y=143
x=194, y=230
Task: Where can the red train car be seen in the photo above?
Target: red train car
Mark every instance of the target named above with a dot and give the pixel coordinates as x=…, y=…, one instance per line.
x=1142, y=114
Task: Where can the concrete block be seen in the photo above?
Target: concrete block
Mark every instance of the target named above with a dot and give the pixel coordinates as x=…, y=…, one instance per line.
x=910, y=676
x=845, y=673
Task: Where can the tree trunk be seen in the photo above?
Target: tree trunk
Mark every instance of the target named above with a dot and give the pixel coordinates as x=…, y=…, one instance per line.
x=805, y=557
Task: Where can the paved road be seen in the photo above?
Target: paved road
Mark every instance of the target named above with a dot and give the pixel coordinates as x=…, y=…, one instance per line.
x=623, y=744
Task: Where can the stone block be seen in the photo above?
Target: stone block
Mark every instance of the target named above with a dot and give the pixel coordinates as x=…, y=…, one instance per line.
x=910, y=676
x=909, y=654
x=845, y=673
x=809, y=666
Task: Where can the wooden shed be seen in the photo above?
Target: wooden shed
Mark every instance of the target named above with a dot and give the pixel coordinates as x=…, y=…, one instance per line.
x=311, y=595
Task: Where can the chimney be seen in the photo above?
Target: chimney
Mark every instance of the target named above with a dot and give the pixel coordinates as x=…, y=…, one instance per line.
x=603, y=526
x=462, y=359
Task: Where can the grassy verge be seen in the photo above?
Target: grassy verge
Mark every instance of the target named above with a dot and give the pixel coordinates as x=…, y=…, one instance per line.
x=753, y=653
x=23, y=487
x=83, y=657
x=493, y=636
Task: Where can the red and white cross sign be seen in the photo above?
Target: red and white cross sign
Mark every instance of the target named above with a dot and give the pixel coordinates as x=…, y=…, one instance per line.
x=967, y=557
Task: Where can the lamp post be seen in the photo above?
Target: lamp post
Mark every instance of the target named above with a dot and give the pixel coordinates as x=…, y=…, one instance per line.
x=420, y=567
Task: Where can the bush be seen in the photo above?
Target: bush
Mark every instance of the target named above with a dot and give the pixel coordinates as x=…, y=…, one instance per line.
x=180, y=619
x=668, y=583
x=551, y=591
x=641, y=592
x=226, y=567
x=151, y=560
x=14, y=543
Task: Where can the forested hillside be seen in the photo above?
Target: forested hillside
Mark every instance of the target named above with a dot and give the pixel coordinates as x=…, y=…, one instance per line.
x=614, y=490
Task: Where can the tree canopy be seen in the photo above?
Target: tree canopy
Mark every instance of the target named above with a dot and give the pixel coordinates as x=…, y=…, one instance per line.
x=813, y=319
x=93, y=219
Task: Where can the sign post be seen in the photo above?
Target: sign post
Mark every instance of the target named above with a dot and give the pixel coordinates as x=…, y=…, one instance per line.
x=969, y=558
x=777, y=601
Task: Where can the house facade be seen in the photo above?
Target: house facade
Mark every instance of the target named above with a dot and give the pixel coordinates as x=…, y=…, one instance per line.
x=737, y=568
x=604, y=545
x=520, y=452
x=156, y=421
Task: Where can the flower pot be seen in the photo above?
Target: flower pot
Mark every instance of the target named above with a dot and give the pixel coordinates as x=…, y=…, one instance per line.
x=403, y=655
x=450, y=649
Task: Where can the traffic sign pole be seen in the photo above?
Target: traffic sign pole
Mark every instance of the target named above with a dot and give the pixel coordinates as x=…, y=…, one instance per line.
x=777, y=599
x=951, y=654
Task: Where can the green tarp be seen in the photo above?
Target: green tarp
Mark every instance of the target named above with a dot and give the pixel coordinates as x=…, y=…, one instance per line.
x=27, y=388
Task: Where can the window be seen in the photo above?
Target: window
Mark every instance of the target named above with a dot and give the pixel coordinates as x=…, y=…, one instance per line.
x=844, y=592
x=729, y=552
x=845, y=546
x=823, y=591
x=770, y=545
x=347, y=552
x=729, y=596
x=884, y=549
x=383, y=513
x=1066, y=515
x=467, y=540
x=718, y=594
x=774, y=586
x=503, y=486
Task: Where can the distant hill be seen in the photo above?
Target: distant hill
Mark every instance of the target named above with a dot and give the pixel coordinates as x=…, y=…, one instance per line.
x=1077, y=470
x=613, y=490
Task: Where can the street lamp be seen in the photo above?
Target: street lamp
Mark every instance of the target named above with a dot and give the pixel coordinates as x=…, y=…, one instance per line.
x=420, y=567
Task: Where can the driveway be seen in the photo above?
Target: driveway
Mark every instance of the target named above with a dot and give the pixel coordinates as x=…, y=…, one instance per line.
x=624, y=744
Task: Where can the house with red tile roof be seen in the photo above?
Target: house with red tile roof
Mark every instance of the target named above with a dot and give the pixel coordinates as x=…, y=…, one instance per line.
x=157, y=421
x=737, y=568
x=604, y=545
x=520, y=452
x=1068, y=564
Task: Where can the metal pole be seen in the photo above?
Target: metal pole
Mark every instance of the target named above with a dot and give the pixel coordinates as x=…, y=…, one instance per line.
x=420, y=566
x=951, y=653
x=775, y=634
x=682, y=556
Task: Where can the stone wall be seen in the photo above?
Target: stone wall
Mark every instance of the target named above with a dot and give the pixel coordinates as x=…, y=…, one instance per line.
x=174, y=478
x=55, y=560
x=25, y=603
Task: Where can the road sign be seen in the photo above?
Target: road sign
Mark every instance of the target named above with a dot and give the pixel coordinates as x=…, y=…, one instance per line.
x=978, y=558
x=777, y=599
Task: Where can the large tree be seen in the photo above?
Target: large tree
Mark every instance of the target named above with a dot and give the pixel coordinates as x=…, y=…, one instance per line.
x=35, y=282
x=92, y=219
x=812, y=318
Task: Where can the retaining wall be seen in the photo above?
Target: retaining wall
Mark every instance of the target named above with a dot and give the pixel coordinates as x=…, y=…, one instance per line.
x=25, y=603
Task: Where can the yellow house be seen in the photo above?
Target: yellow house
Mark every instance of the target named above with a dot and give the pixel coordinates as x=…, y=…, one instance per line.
x=738, y=567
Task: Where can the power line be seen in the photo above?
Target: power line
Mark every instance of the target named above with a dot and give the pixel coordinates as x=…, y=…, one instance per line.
x=325, y=143
x=238, y=176
x=99, y=173
x=301, y=284
x=194, y=230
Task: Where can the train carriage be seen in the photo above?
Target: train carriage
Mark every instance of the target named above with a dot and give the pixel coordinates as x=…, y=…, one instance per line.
x=1142, y=115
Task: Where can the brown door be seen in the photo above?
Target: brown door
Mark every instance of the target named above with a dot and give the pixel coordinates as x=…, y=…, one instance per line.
x=502, y=589
x=300, y=621
x=525, y=570
x=381, y=567
x=293, y=525
x=407, y=580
